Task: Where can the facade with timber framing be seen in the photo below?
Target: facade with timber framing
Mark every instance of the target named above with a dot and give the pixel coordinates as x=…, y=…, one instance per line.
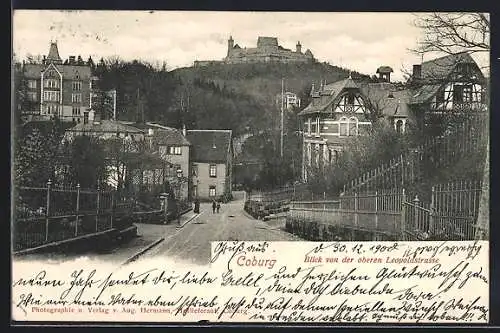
x=448, y=86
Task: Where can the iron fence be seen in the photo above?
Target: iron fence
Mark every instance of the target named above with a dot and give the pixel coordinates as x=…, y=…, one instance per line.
x=287, y=194
x=451, y=214
x=44, y=215
x=436, y=152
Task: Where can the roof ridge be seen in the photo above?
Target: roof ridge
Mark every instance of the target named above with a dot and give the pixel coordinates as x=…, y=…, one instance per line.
x=209, y=130
x=445, y=56
x=162, y=126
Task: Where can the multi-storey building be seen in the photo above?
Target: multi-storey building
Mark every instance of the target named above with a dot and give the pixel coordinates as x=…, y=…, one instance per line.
x=212, y=163
x=57, y=89
x=290, y=100
x=345, y=108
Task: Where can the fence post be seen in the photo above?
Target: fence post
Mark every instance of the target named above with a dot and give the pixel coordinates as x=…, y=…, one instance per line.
x=403, y=213
x=97, y=209
x=431, y=215
x=376, y=210
x=324, y=200
x=47, y=211
x=356, y=209
x=112, y=208
x=416, y=203
x=77, y=207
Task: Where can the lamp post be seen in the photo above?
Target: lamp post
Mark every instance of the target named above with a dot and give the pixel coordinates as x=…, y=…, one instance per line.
x=164, y=205
x=178, y=194
x=179, y=178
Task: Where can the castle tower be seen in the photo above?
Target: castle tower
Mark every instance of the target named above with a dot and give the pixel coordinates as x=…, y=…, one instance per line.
x=298, y=47
x=53, y=54
x=230, y=45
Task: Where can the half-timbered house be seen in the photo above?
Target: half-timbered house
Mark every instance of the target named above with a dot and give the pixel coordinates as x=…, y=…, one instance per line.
x=452, y=84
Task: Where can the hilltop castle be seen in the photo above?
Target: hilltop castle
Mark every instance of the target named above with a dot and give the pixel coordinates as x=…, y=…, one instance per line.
x=267, y=50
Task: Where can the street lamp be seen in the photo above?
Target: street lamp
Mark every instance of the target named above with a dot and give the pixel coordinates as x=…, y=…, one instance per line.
x=179, y=178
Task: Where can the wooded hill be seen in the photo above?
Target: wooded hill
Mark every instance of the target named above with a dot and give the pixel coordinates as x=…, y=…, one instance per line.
x=241, y=97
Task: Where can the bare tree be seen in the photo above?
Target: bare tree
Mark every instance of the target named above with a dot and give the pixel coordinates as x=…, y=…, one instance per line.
x=453, y=32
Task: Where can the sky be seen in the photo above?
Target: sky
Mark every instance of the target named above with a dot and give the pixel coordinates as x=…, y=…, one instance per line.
x=358, y=41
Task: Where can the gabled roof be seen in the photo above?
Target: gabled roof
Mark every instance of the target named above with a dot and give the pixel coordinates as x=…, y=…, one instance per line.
x=34, y=71
x=441, y=68
x=331, y=92
x=170, y=136
x=210, y=145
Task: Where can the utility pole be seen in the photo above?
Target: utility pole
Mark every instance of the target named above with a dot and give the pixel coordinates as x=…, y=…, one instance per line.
x=114, y=104
x=282, y=116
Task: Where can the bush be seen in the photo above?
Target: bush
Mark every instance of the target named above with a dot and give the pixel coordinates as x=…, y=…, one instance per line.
x=360, y=154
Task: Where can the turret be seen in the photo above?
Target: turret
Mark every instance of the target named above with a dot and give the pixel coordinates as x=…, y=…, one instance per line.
x=53, y=56
x=230, y=44
x=298, y=47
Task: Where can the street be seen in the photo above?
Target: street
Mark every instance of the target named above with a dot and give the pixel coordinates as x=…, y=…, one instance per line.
x=192, y=242
x=189, y=243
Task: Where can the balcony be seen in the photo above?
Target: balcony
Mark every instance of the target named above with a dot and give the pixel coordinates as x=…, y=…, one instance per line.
x=459, y=107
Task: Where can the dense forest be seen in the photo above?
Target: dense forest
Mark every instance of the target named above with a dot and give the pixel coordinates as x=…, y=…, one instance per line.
x=241, y=97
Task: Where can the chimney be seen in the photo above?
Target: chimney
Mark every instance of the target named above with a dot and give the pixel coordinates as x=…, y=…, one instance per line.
x=184, y=131
x=151, y=132
x=71, y=60
x=417, y=71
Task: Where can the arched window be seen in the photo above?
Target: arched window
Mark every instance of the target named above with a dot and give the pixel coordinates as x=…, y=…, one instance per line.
x=344, y=126
x=399, y=126
x=353, y=126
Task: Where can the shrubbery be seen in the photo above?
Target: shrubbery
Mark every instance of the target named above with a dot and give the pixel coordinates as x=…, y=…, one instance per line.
x=361, y=153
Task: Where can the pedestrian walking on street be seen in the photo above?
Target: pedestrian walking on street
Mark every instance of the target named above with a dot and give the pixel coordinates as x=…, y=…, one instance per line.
x=218, y=206
x=214, y=205
x=197, y=206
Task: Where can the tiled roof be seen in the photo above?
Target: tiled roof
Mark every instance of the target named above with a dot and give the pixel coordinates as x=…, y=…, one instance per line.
x=441, y=68
x=423, y=93
x=170, y=136
x=210, y=145
x=164, y=135
x=332, y=91
x=391, y=101
x=33, y=71
x=105, y=126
